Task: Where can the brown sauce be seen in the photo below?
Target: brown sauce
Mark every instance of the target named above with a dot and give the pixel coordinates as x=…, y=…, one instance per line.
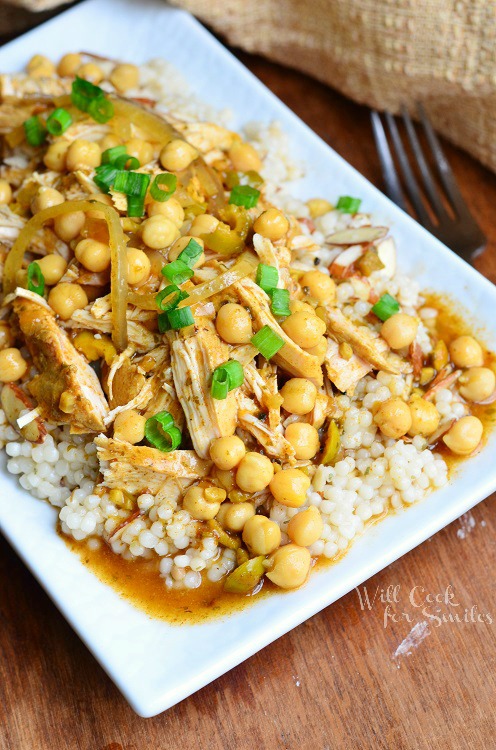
x=139, y=582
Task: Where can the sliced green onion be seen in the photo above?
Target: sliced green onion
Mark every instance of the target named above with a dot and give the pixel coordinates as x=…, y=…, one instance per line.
x=177, y=272
x=163, y=323
x=162, y=433
x=386, y=307
x=191, y=253
x=132, y=183
x=220, y=384
x=176, y=296
x=244, y=195
x=267, y=277
x=180, y=318
x=58, y=122
x=111, y=154
x=35, y=131
x=135, y=206
x=101, y=109
x=163, y=186
x=280, y=302
x=348, y=205
x=105, y=177
x=91, y=99
x=126, y=162
x=85, y=89
x=36, y=280
x=225, y=378
x=267, y=341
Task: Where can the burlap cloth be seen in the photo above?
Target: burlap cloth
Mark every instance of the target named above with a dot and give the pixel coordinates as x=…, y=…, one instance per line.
x=378, y=52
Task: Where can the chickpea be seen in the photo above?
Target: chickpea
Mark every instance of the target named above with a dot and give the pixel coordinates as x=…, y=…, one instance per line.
x=65, y=299
x=203, y=224
x=93, y=255
x=46, y=198
x=271, y=224
x=40, y=67
x=299, y=395
x=53, y=267
x=289, y=487
x=304, y=438
x=254, y=472
x=261, y=536
x=296, y=305
x=90, y=71
x=306, y=527
x=69, y=226
x=171, y=209
x=237, y=514
x=177, y=155
x=290, y=566
x=109, y=141
x=425, y=417
x=129, y=425
x=320, y=286
x=7, y=338
x=227, y=452
x=98, y=198
x=464, y=436
x=82, y=154
x=318, y=207
x=197, y=503
x=68, y=65
x=233, y=324
x=138, y=266
x=159, y=232
x=304, y=328
x=465, y=351
x=399, y=330
x=244, y=157
x=55, y=156
x=393, y=418
x=124, y=77
x=179, y=246
x=477, y=383
x=13, y=366
x=320, y=350
x=141, y=150
x=5, y=193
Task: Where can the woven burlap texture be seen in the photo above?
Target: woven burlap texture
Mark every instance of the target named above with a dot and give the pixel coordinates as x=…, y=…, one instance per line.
x=379, y=52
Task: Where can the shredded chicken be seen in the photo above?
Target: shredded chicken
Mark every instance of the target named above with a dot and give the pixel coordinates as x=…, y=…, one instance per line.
x=272, y=440
x=370, y=349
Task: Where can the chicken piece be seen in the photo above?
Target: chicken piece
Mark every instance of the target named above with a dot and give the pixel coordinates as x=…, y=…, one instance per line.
x=193, y=361
x=291, y=358
x=14, y=87
x=368, y=348
x=61, y=370
x=320, y=411
x=279, y=257
x=139, y=336
x=263, y=384
x=205, y=136
x=44, y=242
x=344, y=373
x=273, y=441
x=141, y=469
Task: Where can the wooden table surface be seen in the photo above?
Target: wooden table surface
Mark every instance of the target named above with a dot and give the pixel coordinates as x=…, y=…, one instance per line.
x=404, y=674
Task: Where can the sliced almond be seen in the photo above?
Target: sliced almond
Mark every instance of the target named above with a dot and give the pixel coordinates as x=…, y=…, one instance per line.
x=386, y=250
x=349, y=256
x=14, y=402
x=358, y=236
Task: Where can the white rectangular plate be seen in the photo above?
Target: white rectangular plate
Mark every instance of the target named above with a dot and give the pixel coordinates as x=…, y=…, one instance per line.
x=155, y=665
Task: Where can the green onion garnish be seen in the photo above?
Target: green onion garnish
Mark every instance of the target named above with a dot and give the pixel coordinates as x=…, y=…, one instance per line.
x=135, y=206
x=105, y=176
x=162, y=433
x=267, y=277
x=58, y=122
x=163, y=186
x=180, y=318
x=386, y=307
x=225, y=378
x=177, y=272
x=132, y=183
x=348, y=205
x=36, y=280
x=280, y=302
x=244, y=195
x=126, y=162
x=175, y=294
x=163, y=323
x=267, y=341
x=191, y=253
x=111, y=154
x=35, y=131
x=91, y=99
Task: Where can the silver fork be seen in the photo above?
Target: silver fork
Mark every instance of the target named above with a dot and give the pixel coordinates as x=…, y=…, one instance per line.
x=459, y=232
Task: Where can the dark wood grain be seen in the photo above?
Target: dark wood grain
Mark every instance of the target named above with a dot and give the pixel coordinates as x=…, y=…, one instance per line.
x=335, y=681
